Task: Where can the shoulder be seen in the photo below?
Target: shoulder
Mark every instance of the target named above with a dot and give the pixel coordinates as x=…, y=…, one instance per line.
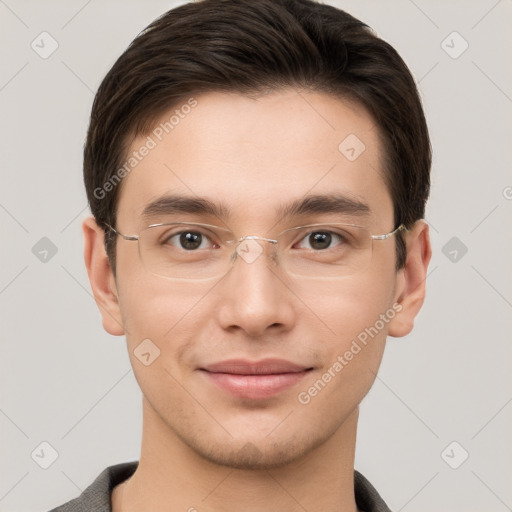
x=96, y=498
x=367, y=497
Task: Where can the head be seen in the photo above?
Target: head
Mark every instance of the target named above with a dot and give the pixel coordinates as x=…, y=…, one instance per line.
x=246, y=107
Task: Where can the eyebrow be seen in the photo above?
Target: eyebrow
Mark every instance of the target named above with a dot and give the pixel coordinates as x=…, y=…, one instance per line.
x=172, y=204
x=320, y=204
x=328, y=203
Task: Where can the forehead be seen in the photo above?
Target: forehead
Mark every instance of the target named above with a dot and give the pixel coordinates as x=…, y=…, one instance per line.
x=253, y=156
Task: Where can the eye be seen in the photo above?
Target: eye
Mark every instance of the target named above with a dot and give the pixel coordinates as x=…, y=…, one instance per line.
x=321, y=240
x=188, y=240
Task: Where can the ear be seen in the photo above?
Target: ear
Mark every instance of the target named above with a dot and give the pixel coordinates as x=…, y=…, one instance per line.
x=101, y=277
x=411, y=279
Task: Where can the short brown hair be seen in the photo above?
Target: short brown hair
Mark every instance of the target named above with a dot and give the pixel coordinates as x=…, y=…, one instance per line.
x=247, y=47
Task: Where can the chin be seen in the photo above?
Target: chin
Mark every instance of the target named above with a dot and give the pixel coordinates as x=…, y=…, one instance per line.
x=253, y=454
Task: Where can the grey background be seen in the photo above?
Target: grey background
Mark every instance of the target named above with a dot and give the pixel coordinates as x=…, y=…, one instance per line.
x=65, y=381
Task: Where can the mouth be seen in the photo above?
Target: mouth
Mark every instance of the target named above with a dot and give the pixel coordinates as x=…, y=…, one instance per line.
x=255, y=380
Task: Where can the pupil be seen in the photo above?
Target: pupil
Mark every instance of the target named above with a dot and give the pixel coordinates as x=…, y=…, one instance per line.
x=191, y=240
x=320, y=240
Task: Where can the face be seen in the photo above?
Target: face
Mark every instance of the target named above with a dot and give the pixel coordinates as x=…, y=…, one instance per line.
x=255, y=156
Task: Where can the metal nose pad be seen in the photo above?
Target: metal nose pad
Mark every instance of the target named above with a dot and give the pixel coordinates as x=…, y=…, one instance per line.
x=249, y=249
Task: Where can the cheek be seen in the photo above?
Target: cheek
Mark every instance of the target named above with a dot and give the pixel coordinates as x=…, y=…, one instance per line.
x=347, y=307
x=355, y=315
x=167, y=319
x=160, y=311
x=150, y=305
x=357, y=319
x=163, y=322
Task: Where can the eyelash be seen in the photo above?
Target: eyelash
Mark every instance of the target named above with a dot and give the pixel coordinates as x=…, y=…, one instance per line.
x=339, y=236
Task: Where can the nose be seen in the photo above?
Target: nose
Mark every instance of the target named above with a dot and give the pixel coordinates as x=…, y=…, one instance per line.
x=255, y=297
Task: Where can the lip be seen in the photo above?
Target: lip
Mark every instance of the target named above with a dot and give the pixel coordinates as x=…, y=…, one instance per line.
x=262, y=367
x=255, y=380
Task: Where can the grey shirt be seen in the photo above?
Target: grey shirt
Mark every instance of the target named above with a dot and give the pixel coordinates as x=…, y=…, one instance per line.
x=96, y=498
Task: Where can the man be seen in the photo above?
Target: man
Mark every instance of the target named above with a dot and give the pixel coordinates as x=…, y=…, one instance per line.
x=257, y=173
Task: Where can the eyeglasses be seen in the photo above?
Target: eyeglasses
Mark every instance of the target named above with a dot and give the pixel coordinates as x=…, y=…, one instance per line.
x=194, y=251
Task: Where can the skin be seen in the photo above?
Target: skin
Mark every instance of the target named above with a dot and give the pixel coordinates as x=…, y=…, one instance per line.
x=254, y=154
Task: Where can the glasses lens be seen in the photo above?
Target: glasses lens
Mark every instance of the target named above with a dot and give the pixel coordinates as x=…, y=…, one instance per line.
x=185, y=251
x=333, y=250
x=199, y=251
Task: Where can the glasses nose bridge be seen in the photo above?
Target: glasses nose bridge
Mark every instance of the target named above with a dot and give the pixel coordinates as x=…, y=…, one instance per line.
x=249, y=249
x=256, y=237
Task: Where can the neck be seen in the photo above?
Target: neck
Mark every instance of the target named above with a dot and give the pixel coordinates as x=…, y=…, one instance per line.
x=173, y=477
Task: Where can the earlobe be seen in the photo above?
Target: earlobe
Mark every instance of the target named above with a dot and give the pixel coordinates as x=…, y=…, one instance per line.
x=411, y=279
x=101, y=277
